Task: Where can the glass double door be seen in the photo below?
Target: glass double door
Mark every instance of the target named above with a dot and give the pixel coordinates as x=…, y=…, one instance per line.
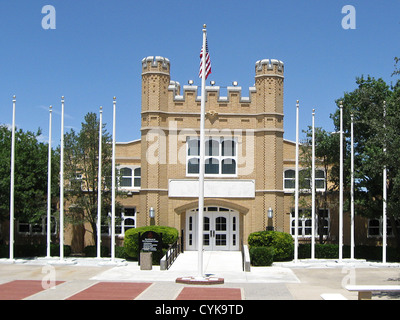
x=220, y=229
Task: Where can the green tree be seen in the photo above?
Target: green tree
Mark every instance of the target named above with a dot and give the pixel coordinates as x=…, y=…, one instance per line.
x=372, y=133
x=81, y=163
x=30, y=180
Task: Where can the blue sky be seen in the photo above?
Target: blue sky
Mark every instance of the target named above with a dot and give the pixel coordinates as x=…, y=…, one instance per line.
x=95, y=53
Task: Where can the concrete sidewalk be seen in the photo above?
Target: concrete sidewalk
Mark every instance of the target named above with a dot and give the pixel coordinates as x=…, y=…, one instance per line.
x=304, y=280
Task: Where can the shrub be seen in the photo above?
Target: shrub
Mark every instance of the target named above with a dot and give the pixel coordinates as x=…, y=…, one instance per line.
x=261, y=256
x=131, y=241
x=281, y=242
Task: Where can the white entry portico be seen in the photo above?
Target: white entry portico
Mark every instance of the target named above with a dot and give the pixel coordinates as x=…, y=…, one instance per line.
x=220, y=229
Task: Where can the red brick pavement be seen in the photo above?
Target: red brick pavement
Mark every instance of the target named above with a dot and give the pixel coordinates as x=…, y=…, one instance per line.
x=20, y=289
x=111, y=291
x=200, y=293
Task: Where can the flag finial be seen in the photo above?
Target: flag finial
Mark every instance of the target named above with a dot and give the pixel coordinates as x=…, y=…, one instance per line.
x=204, y=26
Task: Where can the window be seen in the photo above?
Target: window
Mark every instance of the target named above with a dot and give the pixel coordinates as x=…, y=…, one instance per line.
x=305, y=222
x=126, y=177
x=37, y=228
x=375, y=227
x=289, y=179
x=220, y=156
x=130, y=177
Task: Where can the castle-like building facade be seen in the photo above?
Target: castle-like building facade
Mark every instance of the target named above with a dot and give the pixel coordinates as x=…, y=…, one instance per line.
x=249, y=174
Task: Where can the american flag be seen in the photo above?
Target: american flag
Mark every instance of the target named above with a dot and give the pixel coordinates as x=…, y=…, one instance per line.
x=208, y=62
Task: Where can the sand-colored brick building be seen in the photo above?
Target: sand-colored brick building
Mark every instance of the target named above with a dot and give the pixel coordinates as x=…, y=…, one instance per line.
x=249, y=166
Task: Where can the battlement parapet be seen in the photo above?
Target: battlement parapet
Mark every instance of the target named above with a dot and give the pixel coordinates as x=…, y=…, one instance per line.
x=268, y=66
x=155, y=63
x=210, y=90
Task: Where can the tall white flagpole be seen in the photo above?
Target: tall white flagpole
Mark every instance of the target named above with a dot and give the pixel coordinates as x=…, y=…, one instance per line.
x=352, y=190
x=384, y=217
x=313, y=189
x=62, y=183
x=202, y=155
x=49, y=187
x=99, y=185
x=113, y=187
x=341, y=187
x=12, y=173
x=296, y=199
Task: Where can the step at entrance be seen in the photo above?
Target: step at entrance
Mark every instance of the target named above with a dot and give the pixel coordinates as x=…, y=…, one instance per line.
x=214, y=262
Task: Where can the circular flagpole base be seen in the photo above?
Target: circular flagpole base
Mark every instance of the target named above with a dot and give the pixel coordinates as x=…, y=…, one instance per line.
x=200, y=280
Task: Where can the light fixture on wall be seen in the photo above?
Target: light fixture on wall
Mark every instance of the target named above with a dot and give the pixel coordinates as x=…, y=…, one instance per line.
x=190, y=82
x=152, y=213
x=270, y=215
x=212, y=82
x=234, y=83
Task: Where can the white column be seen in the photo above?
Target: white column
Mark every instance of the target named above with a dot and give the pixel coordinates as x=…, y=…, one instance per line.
x=49, y=188
x=113, y=187
x=99, y=185
x=202, y=155
x=313, y=189
x=352, y=190
x=12, y=173
x=296, y=210
x=62, y=183
x=341, y=187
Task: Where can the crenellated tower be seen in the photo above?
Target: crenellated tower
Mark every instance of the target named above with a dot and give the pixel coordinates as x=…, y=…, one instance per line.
x=155, y=83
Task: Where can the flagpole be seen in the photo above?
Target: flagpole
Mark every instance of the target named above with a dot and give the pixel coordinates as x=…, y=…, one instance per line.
x=296, y=210
x=49, y=187
x=384, y=231
x=202, y=155
x=352, y=189
x=62, y=183
x=12, y=184
x=313, y=189
x=113, y=187
x=341, y=187
x=99, y=185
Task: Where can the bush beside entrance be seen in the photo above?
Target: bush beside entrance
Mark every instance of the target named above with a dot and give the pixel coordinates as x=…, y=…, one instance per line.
x=131, y=240
x=280, y=242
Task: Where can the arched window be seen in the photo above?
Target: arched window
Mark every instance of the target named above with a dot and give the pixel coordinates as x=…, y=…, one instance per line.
x=126, y=177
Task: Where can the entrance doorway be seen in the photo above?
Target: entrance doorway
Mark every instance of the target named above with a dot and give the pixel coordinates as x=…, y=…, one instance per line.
x=220, y=229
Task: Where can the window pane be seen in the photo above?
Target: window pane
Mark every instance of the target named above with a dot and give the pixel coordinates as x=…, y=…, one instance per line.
x=220, y=224
x=228, y=166
x=320, y=184
x=126, y=172
x=138, y=172
x=193, y=165
x=126, y=182
x=137, y=182
x=212, y=147
x=319, y=174
x=228, y=148
x=290, y=174
x=289, y=184
x=212, y=166
x=194, y=147
x=220, y=240
x=206, y=226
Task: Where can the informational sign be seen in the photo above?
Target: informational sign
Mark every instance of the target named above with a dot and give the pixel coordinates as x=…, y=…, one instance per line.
x=150, y=241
